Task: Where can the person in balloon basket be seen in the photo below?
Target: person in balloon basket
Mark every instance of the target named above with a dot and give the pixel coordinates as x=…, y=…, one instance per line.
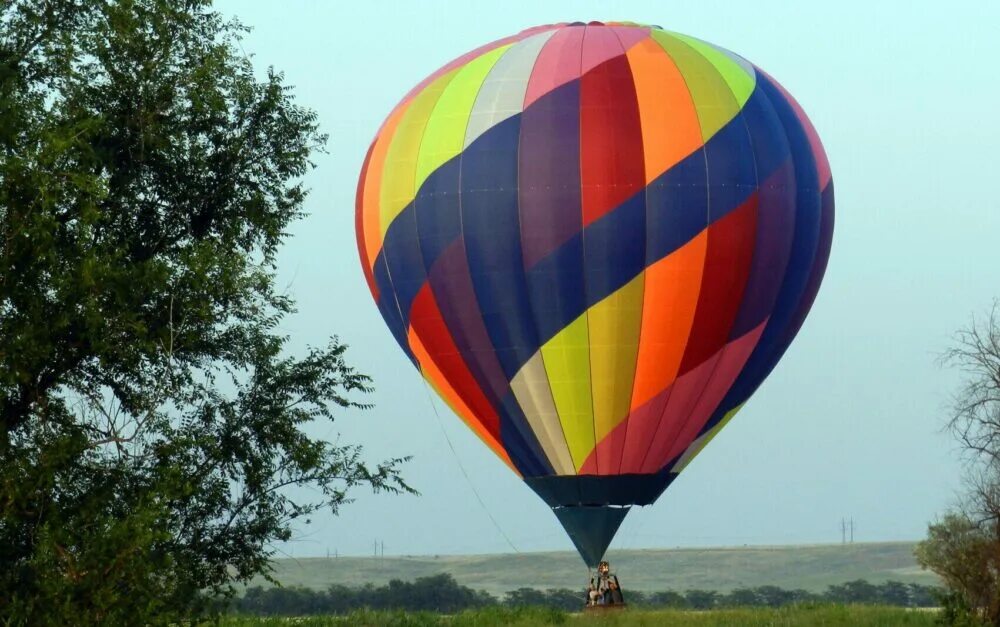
x=606, y=586
x=615, y=592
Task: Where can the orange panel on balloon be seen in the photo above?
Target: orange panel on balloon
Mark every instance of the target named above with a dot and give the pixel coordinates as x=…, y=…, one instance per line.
x=359, y=225
x=671, y=298
x=670, y=128
x=373, y=186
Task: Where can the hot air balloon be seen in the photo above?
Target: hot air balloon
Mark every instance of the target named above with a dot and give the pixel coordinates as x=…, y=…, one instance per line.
x=595, y=241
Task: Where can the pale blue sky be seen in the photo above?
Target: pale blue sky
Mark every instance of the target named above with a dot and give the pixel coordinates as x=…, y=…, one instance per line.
x=903, y=95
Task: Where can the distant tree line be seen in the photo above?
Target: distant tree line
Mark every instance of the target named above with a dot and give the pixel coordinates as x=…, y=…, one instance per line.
x=441, y=593
x=438, y=593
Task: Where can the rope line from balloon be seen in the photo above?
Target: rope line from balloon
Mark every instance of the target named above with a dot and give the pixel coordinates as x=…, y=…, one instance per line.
x=430, y=399
x=458, y=461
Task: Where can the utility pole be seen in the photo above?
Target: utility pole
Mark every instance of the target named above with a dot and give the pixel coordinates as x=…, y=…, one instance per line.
x=847, y=530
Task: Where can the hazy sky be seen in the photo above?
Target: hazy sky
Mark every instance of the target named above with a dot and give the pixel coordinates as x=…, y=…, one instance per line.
x=903, y=95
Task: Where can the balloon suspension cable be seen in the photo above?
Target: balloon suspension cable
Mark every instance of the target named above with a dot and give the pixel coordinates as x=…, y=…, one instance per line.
x=461, y=467
x=437, y=415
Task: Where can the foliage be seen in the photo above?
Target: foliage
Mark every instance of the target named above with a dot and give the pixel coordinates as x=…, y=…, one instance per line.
x=789, y=616
x=149, y=416
x=561, y=598
x=859, y=591
x=956, y=612
x=667, y=598
x=442, y=594
x=485, y=617
x=439, y=593
x=960, y=551
x=811, y=567
x=701, y=599
x=964, y=547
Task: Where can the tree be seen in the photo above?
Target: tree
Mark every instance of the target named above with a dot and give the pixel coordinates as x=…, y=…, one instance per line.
x=559, y=598
x=975, y=418
x=923, y=596
x=802, y=596
x=532, y=597
x=741, y=597
x=773, y=596
x=150, y=416
x=894, y=593
x=701, y=599
x=667, y=598
x=964, y=547
x=857, y=591
x=963, y=554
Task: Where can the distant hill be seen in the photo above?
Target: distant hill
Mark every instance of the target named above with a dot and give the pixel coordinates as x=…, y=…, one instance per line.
x=811, y=567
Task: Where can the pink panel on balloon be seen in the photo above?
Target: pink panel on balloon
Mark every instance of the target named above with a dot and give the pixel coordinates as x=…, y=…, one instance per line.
x=605, y=459
x=638, y=430
x=574, y=51
x=557, y=64
x=650, y=426
x=599, y=45
x=670, y=417
x=687, y=390
x=630, y=36
x=734, y=357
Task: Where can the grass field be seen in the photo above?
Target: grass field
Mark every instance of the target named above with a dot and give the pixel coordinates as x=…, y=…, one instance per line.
x=793, y=616
x=811, y=568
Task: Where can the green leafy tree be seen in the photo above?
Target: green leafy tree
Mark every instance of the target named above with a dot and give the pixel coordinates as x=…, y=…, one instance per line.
x=773, y=596
x=857, y=591
x=150, y=416
x=962, y=554
x=559, y=598
x=529, y=597
x=802, y=596
x=668, y=598
x=923, y=596
x=894, y=593
x=701, y=599
x=741, y=597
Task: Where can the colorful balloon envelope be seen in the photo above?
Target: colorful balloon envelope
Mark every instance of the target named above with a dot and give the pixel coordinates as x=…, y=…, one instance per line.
x=595, y=241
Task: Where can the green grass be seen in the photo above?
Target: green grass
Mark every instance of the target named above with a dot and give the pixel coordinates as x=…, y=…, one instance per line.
x=811, y=568
x=793, y=616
